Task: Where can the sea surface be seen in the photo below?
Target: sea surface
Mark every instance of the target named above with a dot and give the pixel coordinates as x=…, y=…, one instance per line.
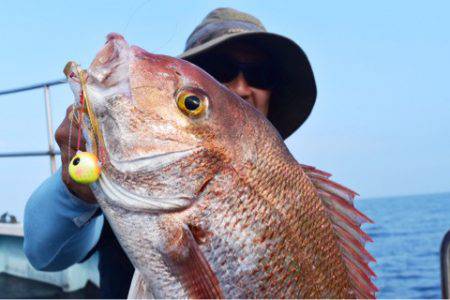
x=407, y=236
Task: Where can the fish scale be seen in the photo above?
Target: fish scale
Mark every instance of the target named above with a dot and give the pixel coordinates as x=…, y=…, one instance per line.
x=308, y=203
x=253, y=199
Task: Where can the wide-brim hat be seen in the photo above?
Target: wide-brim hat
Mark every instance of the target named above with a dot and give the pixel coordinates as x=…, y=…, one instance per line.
x=295, y=91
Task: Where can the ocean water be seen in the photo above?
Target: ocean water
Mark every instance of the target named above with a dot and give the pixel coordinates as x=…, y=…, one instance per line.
x=407, y=236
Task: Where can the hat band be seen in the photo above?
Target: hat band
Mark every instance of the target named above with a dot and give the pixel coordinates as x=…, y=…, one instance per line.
x=214, y=30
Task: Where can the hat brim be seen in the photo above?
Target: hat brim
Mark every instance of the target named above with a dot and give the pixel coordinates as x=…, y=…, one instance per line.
x=293, y=98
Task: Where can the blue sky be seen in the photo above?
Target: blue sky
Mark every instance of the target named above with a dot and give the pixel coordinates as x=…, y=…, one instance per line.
x=381, y=123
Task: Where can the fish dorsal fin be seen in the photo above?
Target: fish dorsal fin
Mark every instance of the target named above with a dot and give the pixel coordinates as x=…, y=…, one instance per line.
x=347, y=220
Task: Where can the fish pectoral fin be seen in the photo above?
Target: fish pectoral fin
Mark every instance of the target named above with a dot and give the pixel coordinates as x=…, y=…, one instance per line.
x=138, y=288
x=187, y=262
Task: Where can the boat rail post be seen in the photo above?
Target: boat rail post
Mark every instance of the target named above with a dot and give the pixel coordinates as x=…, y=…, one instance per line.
x=51, y=140
x=445, y=265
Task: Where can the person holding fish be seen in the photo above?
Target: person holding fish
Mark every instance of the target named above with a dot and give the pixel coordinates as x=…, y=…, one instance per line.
x=63, y=222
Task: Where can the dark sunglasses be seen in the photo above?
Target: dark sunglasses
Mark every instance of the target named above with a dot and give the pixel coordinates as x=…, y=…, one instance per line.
x=257, y=74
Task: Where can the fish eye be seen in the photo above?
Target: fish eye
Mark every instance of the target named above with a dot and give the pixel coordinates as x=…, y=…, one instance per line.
x=192, y=102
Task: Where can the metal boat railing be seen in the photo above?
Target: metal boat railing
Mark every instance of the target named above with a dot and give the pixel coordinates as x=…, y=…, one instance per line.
x=445, y=266
x=51, y=152
x=14, y=265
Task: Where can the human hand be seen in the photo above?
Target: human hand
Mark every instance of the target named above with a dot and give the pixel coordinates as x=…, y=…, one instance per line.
x=82, y=191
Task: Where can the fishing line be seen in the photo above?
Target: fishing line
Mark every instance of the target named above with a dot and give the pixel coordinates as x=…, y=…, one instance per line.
x=133, y=15
x=143, y=3
x=170, y=39
x=94, y=132
x=71, y=116
x=77, y=115
x=85, y=167
x=80, y=117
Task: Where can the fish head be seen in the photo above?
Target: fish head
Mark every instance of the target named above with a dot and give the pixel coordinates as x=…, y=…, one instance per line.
x=160, y=124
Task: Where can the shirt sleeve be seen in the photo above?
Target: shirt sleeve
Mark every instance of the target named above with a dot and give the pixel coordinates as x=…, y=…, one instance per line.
x=59, y=228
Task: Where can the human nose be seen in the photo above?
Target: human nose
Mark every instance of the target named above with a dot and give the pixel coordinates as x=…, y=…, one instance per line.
x=240, y=86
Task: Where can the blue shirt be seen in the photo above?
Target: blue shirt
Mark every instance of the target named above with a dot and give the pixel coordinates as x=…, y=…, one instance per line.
x=59, y=228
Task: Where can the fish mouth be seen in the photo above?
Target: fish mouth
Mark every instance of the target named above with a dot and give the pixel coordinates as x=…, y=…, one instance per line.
x=134, y=201
x=152, y=162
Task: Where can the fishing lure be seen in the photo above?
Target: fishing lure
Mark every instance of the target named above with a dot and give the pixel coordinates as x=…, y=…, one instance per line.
x=84, y=168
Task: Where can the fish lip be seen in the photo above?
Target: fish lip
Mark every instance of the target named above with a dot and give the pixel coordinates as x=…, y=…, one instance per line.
x=117, y=195
x=152, y=162
x=135, y=202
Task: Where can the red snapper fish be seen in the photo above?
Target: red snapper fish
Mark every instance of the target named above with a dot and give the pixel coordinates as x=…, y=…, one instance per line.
x=202, y=193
